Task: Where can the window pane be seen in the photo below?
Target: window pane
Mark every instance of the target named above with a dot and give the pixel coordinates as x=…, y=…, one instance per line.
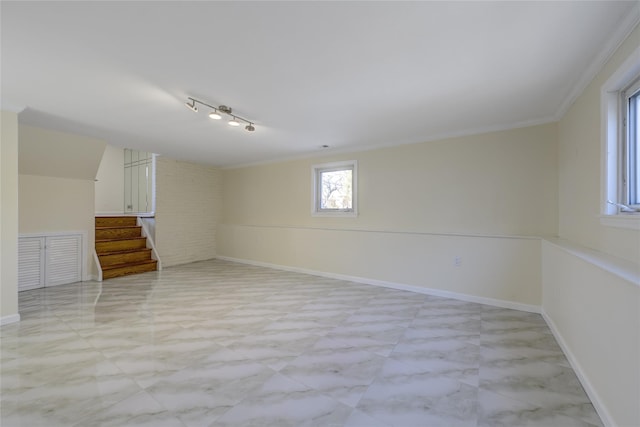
x=634, y=149
x=337, y=189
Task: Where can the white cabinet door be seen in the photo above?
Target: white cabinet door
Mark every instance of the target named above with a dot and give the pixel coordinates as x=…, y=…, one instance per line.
x=30, y=263
x=63, y=260
x=49, y=261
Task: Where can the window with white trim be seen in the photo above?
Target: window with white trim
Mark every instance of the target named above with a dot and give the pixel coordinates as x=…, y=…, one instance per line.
x=334, y=189
x=620, y=123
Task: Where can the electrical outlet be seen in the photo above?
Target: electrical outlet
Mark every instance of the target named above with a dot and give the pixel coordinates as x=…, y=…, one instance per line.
x=457, y=261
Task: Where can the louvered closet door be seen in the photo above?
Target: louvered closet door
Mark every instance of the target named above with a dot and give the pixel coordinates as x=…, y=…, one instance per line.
x=30, y=263
x=63, y=258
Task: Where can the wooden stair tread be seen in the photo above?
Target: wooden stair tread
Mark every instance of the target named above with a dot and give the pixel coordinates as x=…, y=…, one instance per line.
x=114, y=221
x=128, y=251
x=129, y=264
x=107, y=227
x=120, y=238
x=128, y=269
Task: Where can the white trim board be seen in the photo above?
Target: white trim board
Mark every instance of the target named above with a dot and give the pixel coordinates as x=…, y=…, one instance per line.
x=12, y=318
x=150, y=244
x=96, y=260
x=118, y=214
x=400, y=286
x=382, y=231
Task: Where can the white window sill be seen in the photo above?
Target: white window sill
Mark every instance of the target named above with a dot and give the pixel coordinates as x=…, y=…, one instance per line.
x=630, y=221
x=338, y=214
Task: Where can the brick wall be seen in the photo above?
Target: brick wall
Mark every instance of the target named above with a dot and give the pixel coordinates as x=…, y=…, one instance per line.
x=188, y=200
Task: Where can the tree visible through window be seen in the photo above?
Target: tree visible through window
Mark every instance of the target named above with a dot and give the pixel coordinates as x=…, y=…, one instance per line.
x=337, y=189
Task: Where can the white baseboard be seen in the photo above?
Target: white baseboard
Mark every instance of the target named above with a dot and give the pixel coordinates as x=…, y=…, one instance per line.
x=400, y=286
x=12, y=318
x=601, y=409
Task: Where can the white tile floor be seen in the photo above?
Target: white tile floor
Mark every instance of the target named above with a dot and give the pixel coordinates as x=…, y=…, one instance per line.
x=222, y=344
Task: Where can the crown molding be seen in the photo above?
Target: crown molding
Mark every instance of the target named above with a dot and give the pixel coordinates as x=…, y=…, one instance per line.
x=619, y=36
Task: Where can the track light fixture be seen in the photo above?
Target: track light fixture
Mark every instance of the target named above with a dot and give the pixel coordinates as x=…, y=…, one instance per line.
x=192, y=105
x=216, y=113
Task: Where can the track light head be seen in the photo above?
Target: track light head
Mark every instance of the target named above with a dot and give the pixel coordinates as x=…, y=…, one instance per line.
x=250, y=127
x=234, y=122
x=215, y=115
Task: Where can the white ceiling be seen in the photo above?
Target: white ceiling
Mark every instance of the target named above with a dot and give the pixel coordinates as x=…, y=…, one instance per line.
x=351, y=75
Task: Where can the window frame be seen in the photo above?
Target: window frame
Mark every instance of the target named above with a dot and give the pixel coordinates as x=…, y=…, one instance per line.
x=316, y=190
x=613, y=156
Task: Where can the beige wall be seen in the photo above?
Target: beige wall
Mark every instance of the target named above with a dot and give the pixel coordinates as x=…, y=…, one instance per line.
x=187, y=211
x=421, y=205
x=56, y=184
x=47, y=152
x=579, y=154
x=593, y=312
x=9, y=217
x=501, y=183
x=110, y=182
x=50, y=204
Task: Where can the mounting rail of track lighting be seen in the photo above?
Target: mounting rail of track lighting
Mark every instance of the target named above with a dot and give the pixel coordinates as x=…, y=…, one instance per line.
x=215, y=113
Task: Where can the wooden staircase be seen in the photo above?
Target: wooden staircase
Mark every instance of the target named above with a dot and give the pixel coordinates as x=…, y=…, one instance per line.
x=121, y=248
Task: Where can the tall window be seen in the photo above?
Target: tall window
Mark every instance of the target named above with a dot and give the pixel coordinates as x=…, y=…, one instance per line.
x=620, y=161
x=631, y=149
x=334, y=189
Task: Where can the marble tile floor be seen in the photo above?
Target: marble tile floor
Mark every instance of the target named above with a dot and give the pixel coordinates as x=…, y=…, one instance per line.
x=217, y=343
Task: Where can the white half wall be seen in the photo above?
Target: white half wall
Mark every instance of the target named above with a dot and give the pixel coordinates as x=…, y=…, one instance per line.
x=595, y=315
x=504, y=269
